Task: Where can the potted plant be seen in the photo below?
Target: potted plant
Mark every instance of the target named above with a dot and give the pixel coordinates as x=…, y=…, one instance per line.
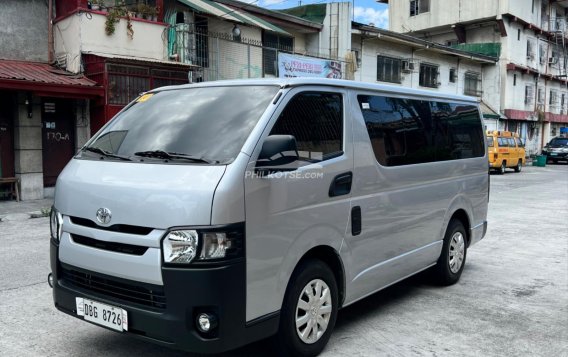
x=97, y=4
x=147, y=12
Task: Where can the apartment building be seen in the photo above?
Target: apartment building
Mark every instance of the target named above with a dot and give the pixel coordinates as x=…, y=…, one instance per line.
x=389, y=57
x=180, y=41
x=44, y=109
x=528, y=86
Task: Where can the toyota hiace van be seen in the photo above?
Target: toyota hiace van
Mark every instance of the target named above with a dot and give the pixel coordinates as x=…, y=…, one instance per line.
x=207, y=216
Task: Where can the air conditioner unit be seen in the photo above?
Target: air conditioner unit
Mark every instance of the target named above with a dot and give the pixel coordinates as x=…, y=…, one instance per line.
x=407, y=66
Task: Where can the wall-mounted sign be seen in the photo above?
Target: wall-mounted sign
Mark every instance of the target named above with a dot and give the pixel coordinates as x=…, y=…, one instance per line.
x=300, y=66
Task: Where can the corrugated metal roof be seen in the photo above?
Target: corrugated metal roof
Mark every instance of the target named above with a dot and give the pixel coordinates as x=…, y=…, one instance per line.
x=41, y=73
x=140, y=59
x=231, y=14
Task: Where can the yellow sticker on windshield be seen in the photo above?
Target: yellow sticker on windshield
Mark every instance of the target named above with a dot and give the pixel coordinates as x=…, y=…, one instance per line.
x=144, y=98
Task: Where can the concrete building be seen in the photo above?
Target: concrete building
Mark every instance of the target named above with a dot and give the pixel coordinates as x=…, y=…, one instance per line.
x=528, y=87
x=388, y=57
x=44, y=110
x=189, y=41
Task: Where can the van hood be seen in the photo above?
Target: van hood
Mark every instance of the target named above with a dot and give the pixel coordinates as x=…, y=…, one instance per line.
x=140, y=194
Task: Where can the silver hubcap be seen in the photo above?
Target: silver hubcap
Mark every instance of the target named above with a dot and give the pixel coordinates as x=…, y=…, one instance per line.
x=457, y=252
x=313, y=311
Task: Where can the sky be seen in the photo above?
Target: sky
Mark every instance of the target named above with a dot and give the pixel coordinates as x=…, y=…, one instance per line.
x=366, y=11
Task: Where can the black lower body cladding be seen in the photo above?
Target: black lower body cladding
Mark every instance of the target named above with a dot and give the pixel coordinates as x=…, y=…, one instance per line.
x=219, y=290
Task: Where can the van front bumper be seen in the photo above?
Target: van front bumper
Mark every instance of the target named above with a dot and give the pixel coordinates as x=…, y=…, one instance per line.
x=171, y=319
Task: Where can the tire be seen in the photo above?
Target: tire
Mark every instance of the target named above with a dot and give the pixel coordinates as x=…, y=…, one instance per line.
x=502, y=168
x=307, y=277
x=449, y=267
x=519, y=166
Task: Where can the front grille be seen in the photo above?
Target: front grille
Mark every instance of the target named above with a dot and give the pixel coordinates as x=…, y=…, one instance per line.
x=110, y=246
x=120, y=228
x=125, y=290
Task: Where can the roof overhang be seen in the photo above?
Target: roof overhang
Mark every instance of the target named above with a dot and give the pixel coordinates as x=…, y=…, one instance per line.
x=275, y=17
x=390, y=36
x=53, y=90
x=45, y=80
x=129, y=59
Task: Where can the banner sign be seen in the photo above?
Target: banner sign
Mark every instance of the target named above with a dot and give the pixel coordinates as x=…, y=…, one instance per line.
x=301, y=66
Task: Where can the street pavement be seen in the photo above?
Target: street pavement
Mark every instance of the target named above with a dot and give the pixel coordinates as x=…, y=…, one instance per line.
x=512, y=299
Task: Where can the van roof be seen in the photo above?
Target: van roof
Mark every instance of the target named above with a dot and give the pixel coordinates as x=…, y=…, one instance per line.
x=295, y=82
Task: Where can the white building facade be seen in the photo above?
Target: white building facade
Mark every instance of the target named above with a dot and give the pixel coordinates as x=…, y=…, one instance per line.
x=387, y=57
x=528, y=87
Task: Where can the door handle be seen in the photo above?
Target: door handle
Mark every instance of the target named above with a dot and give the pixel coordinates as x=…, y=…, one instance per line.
x=356, y=225
x=341, y=184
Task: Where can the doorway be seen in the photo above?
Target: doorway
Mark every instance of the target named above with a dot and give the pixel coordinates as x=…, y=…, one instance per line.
x=6, y=135
x=58, y=137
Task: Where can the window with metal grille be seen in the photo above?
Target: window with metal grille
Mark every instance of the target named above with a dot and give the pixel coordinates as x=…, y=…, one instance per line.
x=529, y=94
x=472, y=84
x=388, y=69
x=162, y=78
x=553, y=98
x=453, y=75
x=315, y=119
x=419, y=7
x=271, y=44
x=125, y=83
x=201, y=42
x=428, y=75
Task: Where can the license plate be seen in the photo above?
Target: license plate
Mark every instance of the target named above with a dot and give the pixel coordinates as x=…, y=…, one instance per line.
x=553, y=154
x=102, y=314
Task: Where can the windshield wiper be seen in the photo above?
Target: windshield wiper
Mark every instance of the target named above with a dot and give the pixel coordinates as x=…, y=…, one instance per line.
x=166, y=155
x=105, y=153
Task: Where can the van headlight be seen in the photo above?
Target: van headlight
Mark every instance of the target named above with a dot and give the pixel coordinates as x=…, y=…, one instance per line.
x=183, y=246
x=55, y=224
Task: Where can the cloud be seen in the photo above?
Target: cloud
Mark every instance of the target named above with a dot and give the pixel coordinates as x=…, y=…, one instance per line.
x=367, y=15
x=272, y=2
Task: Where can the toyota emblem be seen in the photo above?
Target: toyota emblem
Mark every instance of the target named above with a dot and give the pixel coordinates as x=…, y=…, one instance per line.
x=104, y=215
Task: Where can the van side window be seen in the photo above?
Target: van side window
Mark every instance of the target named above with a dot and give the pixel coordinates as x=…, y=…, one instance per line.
x=316, y=121
x=502, y=141
x=511, y=142
x=409, y=131
x=520, y=142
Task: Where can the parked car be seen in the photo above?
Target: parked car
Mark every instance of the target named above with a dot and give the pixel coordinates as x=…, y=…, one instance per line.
x=506, y=150
x=556, y=150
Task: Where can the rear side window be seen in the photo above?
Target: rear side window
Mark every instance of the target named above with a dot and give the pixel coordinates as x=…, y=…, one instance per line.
x=316, y=121
x=511, y=142
x=520, y=142
x=409, y=131
x=502, y=142
x=490, y=141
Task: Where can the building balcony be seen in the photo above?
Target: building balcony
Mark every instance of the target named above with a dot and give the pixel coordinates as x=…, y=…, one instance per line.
x=87, y=31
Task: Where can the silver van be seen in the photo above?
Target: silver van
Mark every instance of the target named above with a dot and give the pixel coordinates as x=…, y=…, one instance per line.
x=207, y=216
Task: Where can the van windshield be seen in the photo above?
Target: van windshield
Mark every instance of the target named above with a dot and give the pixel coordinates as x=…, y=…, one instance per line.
x=203, y=125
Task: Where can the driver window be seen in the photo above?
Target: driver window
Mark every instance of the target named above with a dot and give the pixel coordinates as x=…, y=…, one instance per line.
x=315, y=119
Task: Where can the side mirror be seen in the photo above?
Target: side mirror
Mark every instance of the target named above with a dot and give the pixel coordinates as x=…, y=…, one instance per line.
x=279, y=153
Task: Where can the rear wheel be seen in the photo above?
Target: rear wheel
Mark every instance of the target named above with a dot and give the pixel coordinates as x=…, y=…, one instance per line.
x=309, y=311
x=452, y=260
x=519, y=166
x=503, y=167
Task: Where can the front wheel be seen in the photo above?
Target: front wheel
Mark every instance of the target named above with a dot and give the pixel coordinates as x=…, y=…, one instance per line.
x=452, y=260
x=309, y=311
x=519, y=166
